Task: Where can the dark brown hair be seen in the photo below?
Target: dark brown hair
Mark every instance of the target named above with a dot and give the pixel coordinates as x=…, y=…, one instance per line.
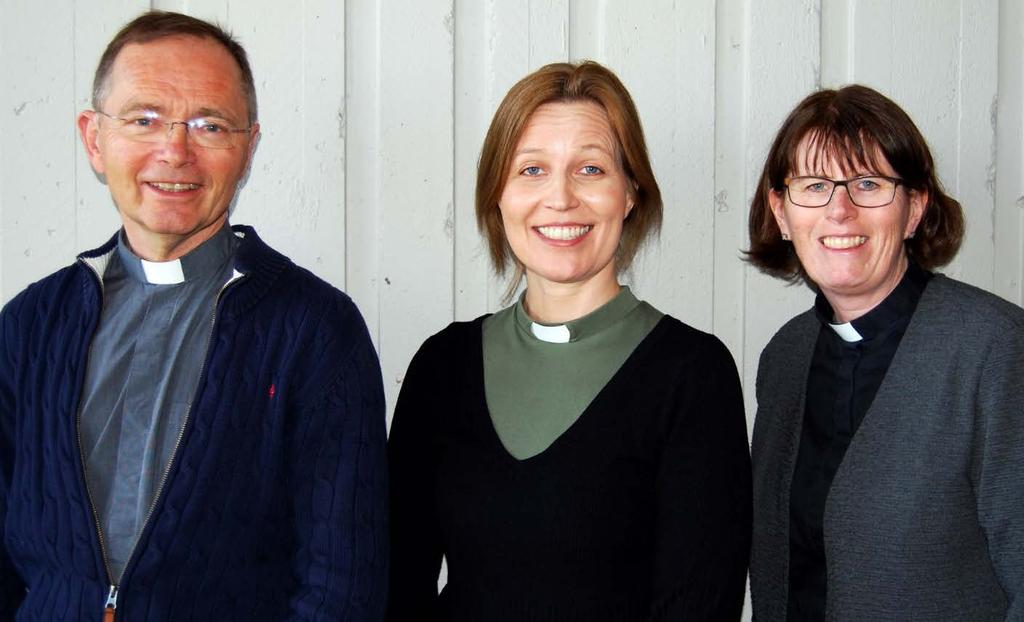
x=852, y=125
x=154, y=25
x=566, y=82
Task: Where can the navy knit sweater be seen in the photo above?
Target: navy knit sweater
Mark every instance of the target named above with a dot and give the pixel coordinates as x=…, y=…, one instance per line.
x=274, y=506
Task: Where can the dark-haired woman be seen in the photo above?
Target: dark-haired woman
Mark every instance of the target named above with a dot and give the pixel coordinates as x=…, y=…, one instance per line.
x=578, y=456
x=889, y=439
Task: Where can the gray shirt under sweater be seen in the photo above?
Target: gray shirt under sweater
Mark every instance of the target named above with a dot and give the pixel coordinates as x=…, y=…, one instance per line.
x=144, y=366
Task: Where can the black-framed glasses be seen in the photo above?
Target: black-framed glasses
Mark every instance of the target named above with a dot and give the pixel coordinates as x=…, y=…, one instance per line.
x=150, y=127
x=864, y=191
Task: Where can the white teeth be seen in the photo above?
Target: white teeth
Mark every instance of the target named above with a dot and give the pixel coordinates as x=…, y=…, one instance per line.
x=841, y=242
x=564, y=233
x=173, y=187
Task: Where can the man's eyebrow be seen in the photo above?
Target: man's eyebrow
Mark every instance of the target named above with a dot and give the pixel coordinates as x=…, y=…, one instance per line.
x=136, y=105
x=139, y=105
x=214, y=112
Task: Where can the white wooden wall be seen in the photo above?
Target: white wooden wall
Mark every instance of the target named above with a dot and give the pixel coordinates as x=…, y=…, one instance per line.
x=373, y=112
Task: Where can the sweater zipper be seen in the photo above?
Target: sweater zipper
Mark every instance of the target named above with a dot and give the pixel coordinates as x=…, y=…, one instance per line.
x=110, y=606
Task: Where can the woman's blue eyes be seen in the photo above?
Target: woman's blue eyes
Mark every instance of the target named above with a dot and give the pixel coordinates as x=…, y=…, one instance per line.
x=590, y=169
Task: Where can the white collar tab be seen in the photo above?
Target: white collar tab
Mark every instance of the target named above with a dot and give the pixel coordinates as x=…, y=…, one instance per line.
x=163, y=272
x=551, y=334
x=847, y=332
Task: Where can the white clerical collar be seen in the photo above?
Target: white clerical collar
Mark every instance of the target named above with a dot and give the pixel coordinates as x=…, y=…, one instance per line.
x=600, y=319
x=846, y=332
x=551, y=334
x=163, y=272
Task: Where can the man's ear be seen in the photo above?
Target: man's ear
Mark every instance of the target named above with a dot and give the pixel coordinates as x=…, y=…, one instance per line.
x=254, y=139
x=89, y=131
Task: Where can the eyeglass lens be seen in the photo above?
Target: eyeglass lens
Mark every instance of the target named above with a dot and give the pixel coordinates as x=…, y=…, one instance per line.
x=204, y=131
x=863, y=191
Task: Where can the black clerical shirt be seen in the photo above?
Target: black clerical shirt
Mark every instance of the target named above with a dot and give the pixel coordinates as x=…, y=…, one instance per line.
x=846, y=370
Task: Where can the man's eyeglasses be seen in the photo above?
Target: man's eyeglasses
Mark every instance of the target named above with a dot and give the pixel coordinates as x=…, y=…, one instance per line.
x=150, y=127
x=866, y=191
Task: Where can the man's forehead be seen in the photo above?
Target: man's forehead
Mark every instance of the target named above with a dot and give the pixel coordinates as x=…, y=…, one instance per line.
x=176, y=51
x=194, y=68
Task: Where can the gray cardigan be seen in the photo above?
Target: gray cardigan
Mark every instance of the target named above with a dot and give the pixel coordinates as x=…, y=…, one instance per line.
x=925, y=516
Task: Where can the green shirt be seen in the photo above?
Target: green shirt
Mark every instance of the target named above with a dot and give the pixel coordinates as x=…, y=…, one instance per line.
x=539, y=378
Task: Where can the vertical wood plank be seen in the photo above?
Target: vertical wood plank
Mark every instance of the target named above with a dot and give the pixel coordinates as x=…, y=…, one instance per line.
x=836, y=41
x=416, y=198
x=676, y=103
x=731, y=201
x=587, y=25
x=975, y=138
x=474, y=277
x=363, y=159
x=1008, y=237
x=548, y=32
x=37, y=123
x=768, y=302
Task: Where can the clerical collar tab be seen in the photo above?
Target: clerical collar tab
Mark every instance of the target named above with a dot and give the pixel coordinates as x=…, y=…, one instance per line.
x=163, y=272
x=846, y=332
x=551, y=334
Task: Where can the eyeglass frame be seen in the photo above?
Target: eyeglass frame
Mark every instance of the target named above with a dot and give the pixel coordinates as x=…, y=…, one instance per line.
x=188, y=124
x=896, y=183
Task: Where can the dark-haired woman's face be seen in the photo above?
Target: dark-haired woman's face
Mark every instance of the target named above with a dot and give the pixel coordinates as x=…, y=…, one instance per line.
x=854, y=254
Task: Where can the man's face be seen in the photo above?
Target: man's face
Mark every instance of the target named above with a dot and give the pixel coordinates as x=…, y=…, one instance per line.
x=172, y=194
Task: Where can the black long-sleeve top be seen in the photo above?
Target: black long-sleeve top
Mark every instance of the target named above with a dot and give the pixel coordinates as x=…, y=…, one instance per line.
x=843, y=380
x=639, y=511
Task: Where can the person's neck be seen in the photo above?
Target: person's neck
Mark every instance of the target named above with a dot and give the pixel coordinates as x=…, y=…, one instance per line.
x=851, y=307
x=556, y=303
x=161, y=248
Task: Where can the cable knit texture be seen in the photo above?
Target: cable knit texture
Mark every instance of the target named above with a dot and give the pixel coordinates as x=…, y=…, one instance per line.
x=274, y=506
x=925, y=516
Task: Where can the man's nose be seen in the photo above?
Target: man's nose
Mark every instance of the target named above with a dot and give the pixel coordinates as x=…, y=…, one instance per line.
x=177, y=146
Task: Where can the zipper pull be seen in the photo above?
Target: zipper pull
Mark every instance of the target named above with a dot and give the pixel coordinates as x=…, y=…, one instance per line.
x=111, y=607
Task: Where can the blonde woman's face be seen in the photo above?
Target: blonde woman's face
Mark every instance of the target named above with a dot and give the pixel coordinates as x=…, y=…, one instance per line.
x=566, y=196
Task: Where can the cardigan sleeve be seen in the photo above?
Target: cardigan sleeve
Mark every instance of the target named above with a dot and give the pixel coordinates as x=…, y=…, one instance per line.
x=341, y=501
x=416, y=545
x=12, y=589
x=702, y=544
x=998, y=462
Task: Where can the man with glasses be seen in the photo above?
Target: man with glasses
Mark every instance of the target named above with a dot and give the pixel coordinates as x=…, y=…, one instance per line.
x=191, y=426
